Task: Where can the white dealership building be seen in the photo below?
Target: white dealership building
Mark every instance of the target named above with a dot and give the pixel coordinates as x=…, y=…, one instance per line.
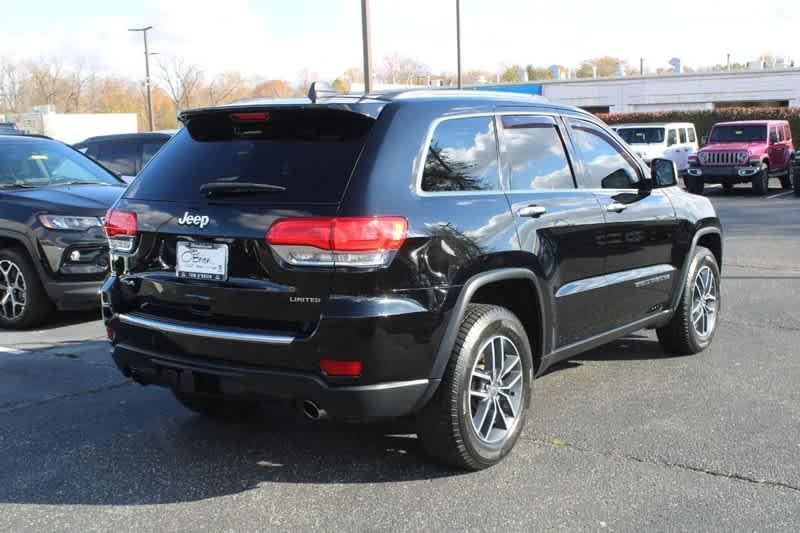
x=675, y=92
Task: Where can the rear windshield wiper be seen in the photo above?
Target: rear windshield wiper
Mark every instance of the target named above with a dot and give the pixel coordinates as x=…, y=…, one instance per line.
x=212, y=189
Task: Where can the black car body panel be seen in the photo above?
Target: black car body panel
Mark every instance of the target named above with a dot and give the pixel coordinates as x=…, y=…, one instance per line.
x=581, y=270
x=69, y=284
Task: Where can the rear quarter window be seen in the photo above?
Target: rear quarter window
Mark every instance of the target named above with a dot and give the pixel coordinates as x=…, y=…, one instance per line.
x=462, y=156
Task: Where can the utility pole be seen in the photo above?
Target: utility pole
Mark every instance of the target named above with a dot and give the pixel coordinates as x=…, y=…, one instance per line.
x=641, y=66
x=366, y=39
x=458, y=40
x=147, y=75
x=728, y=63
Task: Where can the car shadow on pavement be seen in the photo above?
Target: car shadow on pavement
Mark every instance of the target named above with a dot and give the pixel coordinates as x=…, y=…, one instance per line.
x=630, y=348
x=148, y=450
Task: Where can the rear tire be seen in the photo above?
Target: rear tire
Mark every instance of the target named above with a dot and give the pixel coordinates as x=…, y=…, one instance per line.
x=216, y=405
x=685, y=334
x=761, y=181
x=479, y=409
x=23, y=301
x=795, y=179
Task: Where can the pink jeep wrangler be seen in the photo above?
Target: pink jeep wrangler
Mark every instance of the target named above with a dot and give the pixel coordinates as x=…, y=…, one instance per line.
x=747, y=151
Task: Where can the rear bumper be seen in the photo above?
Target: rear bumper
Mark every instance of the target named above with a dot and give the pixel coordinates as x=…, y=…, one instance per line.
x=724, y=174
x=357, y=402
x=396, y=342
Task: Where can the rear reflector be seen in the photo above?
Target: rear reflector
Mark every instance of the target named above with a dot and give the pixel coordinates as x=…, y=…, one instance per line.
x=338, y=241
x=334, y=367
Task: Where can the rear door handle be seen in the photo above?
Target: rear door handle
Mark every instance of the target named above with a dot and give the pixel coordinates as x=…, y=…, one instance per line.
x=533, y=211
x=616, y=207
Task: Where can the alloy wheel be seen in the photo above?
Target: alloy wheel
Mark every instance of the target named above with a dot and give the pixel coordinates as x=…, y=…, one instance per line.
x=705, y=295
x=495, y=391
x=13, y=290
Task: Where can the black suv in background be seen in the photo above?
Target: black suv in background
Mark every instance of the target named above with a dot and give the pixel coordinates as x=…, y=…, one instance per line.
x=412, y=253
x=53, y=250
x=126, y=154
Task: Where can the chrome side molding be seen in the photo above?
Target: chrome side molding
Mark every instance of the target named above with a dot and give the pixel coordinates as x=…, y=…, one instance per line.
x=206, y=332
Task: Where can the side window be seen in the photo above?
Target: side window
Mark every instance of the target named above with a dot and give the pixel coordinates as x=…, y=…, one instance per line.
x=692, y=135
x=149, y=150
x=787, y=133
x=682, y=133
x=672, y=138
x=462, y=156
x=773, y=135
x=536, y=155
x=607, y=165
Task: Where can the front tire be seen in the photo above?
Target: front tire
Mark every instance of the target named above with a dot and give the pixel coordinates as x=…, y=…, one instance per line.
x=761, y=181
x=695, y=184
x=795, y=179
x=694, y=324
x=479, y=409
x=23, y=300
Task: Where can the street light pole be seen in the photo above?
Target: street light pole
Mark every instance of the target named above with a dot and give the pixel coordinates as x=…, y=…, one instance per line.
x=147, y=75
x=366, y=39
x=458, y=41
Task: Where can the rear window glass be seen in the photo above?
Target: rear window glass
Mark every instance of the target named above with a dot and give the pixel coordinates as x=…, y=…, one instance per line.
x=311, y=153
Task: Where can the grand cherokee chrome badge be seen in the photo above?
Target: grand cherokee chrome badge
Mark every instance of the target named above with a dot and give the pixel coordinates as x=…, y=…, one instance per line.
x=194, y=220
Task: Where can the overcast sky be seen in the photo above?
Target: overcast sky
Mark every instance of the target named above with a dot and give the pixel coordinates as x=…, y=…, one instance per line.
x=277, y=38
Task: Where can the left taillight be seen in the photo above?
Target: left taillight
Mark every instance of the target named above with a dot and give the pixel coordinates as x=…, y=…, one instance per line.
x=358, y=242
x=121, y=229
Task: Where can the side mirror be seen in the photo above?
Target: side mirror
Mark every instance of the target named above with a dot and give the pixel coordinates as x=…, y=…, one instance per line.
x=663, y=172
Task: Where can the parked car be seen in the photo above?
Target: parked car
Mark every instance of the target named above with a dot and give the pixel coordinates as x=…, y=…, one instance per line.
x=9, y=128
x=422, y=253
x=744, y=152
x=125, y=154
x=676, y=141
x=796, y=173
x=53, y=249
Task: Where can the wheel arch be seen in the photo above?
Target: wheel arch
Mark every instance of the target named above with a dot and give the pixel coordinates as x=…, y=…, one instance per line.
x=709, y=237
x=517, y=289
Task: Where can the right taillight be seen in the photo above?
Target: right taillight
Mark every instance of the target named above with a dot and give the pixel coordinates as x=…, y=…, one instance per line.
x=360, y=242
x=121, y=229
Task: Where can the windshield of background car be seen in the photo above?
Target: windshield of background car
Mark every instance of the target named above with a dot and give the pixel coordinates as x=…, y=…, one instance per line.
x=739, y=134
x=43, y=163
x=642, y=135
x=309, y=153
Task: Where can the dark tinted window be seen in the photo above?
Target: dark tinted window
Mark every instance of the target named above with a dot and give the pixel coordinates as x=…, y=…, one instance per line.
x=682, y=133
x=642, y=135
x=536, y=155
x=462, y=156
x=310, y=153
x=692, y=135
x=149, y=149
x=121, y=157
x=44, y=163
x=607, y=165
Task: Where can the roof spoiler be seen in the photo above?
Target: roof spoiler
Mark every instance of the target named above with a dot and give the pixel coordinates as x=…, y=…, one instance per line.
x=320, y=91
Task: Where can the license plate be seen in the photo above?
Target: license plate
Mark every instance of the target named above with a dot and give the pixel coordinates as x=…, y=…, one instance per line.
x=197, y=260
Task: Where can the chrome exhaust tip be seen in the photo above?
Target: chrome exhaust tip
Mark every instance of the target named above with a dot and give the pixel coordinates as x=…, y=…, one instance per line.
x=312, y=410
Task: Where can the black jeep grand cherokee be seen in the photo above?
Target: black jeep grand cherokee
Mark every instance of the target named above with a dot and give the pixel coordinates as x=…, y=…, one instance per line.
x=412, y=253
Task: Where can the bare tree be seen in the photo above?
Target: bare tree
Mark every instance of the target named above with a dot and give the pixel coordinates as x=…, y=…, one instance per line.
x=183, y=80
x=46, y=80
x=13, y=86
x=402, y=69
x=225, y=88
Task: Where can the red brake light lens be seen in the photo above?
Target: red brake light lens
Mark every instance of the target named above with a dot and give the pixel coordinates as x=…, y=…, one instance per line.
x=338, y=368
x=338, y=241
x=250, y=117
x=120, y=223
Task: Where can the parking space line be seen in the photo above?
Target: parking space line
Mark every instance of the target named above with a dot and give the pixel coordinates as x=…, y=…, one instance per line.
x=779, y=195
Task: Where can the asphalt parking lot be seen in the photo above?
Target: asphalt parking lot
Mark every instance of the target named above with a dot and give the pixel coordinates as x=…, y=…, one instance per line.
x=623, y=437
